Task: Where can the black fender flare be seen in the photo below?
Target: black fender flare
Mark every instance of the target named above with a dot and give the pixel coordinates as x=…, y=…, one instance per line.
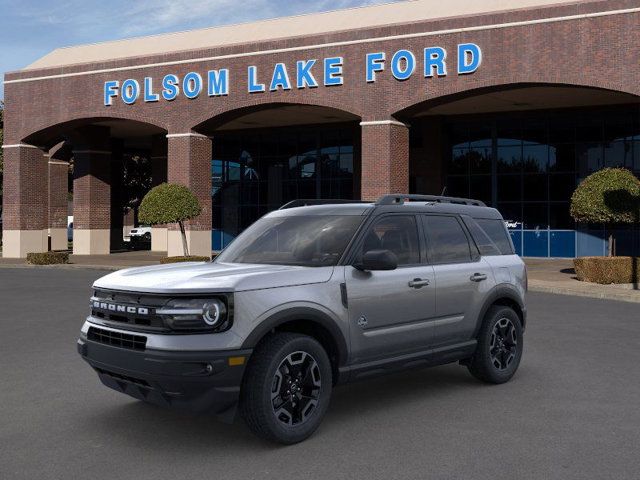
x=497, y=293
x=300, y=313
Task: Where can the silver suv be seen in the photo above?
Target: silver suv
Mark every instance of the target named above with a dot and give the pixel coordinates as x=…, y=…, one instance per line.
x=309, y=296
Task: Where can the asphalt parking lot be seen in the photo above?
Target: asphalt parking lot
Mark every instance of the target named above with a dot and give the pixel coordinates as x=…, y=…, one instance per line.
x=572, y=411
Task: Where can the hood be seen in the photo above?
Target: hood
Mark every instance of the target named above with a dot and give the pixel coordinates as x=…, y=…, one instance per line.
x=201, y=277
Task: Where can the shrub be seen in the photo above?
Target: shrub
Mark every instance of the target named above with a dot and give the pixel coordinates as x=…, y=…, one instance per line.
x=47, y=258
x=191, y=258
x=170, y=203
x=606, y=270
x=611, y=195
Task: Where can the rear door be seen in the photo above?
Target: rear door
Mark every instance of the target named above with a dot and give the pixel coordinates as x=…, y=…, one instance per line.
x=389, y=311
x=462, y=278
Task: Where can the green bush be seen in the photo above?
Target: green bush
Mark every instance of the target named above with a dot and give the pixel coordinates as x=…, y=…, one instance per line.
x=47, y=258
x=170, y=203
x=191, y=258
x=611, y=195
x=607, y=270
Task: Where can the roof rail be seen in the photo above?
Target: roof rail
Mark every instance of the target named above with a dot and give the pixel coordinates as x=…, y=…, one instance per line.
x=399, y=199
x=317, y=201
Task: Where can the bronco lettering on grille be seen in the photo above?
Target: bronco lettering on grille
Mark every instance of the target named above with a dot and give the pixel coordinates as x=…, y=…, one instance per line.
x=112, y=307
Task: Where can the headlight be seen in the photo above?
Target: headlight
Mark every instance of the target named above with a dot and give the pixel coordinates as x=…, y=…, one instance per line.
x=195, y=314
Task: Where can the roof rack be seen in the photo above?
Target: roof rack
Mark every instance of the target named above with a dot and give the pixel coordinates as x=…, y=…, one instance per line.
x=317, y=201
x=400, y=198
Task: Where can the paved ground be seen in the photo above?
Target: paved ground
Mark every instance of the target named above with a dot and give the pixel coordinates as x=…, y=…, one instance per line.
x=571, y=412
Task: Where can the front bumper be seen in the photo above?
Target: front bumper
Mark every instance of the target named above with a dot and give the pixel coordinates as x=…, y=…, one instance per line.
x=195, y=381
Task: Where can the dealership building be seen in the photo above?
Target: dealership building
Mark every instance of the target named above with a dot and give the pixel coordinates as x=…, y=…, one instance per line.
x=510, y=102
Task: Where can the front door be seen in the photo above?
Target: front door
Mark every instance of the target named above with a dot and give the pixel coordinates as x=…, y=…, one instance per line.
x=389, y=311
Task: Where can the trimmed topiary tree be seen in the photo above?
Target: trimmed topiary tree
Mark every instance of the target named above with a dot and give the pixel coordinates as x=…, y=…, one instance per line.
x=170, y=203
x=611, y=195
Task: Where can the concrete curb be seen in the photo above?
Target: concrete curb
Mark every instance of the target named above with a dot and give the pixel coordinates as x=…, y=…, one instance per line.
x=621, y=296
x=66, y=266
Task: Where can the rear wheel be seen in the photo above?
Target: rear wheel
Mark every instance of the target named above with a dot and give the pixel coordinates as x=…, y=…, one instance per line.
x=287, y=387
x=499, y=349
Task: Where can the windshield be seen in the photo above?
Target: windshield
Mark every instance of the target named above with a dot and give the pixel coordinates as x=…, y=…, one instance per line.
x=308, y=241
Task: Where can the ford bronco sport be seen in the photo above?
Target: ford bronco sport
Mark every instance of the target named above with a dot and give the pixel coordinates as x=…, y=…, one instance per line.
x=309, y=296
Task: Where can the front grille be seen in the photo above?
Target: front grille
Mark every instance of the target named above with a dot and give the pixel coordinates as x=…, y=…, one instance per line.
x=137, y=311
x=117, y=339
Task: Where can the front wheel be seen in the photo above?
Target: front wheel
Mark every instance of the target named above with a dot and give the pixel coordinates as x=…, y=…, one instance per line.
x=287, y=387
x=499, y=349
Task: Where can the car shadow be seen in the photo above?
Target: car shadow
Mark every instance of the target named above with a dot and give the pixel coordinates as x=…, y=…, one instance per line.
x=136, y=422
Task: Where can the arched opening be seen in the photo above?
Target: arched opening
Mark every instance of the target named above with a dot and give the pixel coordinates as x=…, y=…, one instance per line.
x=523, y=149
x=264, y=156
x=109, y=165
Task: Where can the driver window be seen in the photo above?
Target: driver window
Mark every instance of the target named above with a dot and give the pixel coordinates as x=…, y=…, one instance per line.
x=396, y=233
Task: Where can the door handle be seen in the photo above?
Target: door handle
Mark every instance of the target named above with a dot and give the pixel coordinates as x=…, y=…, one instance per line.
x=478, y=277
x=418, y=283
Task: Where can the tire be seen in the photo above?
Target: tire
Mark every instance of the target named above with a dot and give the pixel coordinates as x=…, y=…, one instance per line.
x=500, y=344
x=297, y=370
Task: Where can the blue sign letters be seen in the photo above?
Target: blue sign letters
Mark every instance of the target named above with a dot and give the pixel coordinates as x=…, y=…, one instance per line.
x=217, y=83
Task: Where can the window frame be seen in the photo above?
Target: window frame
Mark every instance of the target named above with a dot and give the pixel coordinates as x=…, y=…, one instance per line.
x=474, y=253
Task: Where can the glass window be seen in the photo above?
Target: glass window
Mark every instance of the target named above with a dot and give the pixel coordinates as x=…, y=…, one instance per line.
x=559, y=216
x=497, y=232
x=535, y=216
x=481, y=188
x=458, y=186
x=309, y=241
x=447, y=241
x=535, y=158
x=562, y=158
x=534, y=187
x=561, y=186
x=486, y=246
x=618, y=154
x=509, y=159
x=509, y=187
x=480, y=159
x=396, y=233
x=459, y=161
x=589, y=158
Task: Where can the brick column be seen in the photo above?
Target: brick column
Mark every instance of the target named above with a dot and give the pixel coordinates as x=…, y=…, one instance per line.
x=158, y=175
x=189, y=163
x=116, y=225
x=58, y=191
x=25, y=209
x=385, y=158
x=91, y=191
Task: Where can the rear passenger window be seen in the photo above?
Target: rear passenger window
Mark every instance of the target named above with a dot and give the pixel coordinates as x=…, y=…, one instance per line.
x=497, y=232
x=484, y=243
x=447, y=241
x=397, y=233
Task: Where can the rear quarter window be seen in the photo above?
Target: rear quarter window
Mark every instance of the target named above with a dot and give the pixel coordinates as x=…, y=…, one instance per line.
x=496, y=230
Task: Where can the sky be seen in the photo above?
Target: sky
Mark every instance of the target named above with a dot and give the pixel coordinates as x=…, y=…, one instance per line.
x=30, y=29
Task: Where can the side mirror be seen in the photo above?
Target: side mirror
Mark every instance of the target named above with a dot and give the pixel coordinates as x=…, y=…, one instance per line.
x=378, y=260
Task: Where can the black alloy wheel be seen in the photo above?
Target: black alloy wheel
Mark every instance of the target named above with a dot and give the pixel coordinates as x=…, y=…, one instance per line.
x=296, y=388
x=504, y=343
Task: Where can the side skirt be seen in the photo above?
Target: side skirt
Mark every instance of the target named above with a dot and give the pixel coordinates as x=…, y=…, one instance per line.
x=425, y=358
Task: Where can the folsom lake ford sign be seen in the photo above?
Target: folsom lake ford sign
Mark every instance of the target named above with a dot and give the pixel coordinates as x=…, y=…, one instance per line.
x=309, y=73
